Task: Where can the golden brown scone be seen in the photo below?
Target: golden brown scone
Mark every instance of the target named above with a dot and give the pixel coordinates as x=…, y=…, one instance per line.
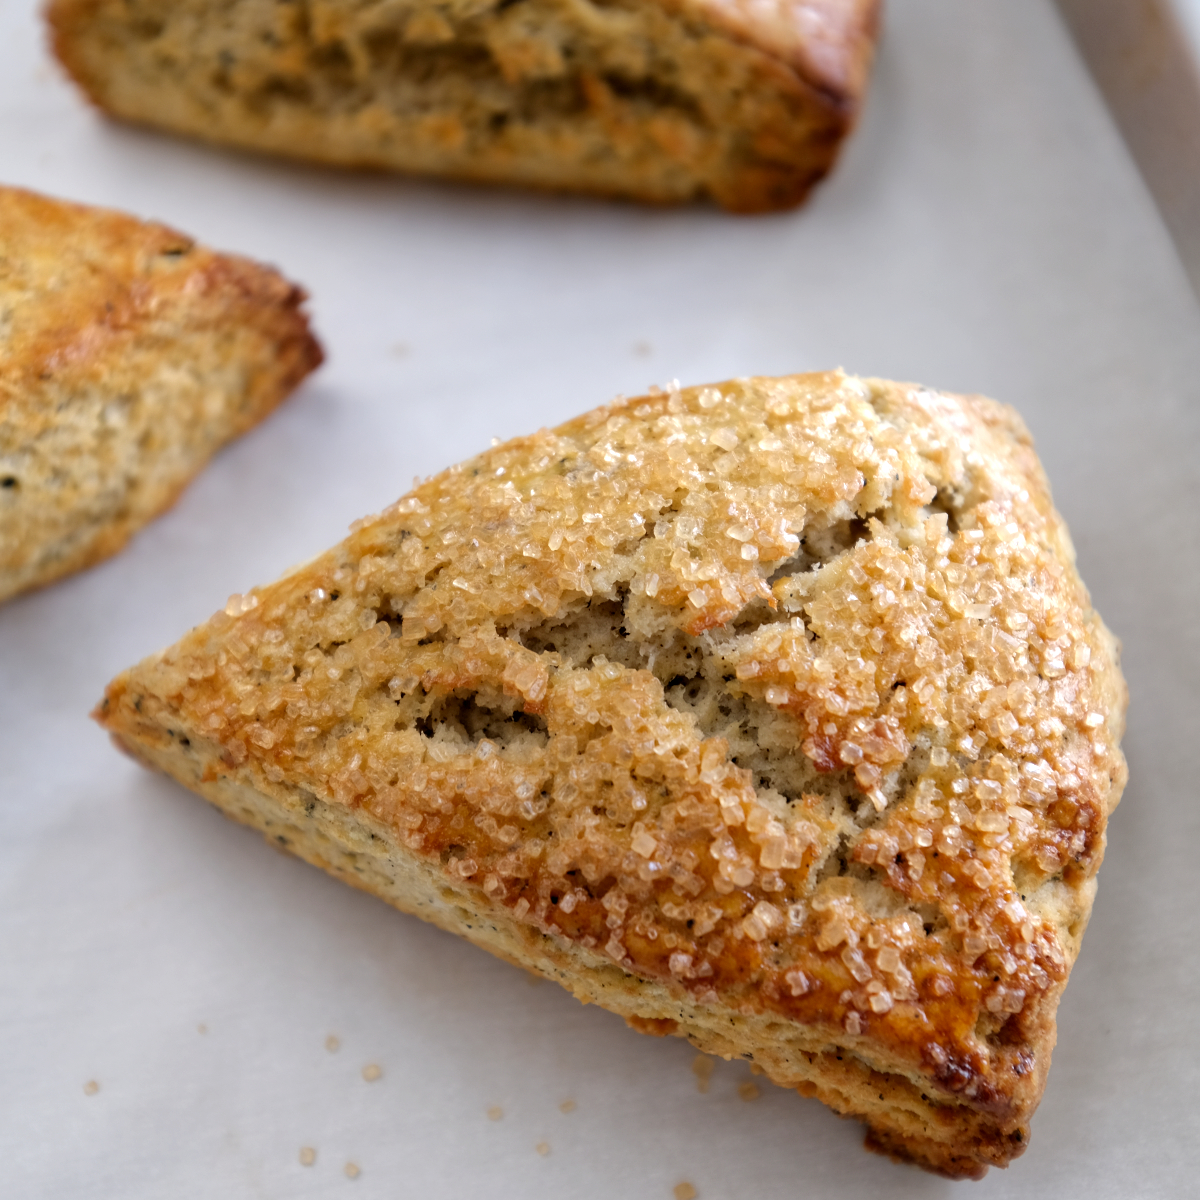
x=745, y=101
x=771, y=714
x=128, y=356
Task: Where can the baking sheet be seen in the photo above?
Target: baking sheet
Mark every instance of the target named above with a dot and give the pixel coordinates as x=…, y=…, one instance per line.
x=1187, y=12
x=1145, y=57
x=986, y=231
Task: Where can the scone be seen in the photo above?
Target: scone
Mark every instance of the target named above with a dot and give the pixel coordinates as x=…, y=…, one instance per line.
x=128, y=356
x=772, y=714
x=661, y=100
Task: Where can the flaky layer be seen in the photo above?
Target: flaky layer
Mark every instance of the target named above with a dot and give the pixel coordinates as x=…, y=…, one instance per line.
x=128, y=356
x=946, y=1137
x=662, y=100
x=782, y=697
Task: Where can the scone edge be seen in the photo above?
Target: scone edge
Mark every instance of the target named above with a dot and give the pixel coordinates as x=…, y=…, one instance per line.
x=947, y=1139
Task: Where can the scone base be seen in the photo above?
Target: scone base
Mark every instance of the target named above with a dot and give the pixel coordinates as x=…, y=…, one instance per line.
x=904, y=1123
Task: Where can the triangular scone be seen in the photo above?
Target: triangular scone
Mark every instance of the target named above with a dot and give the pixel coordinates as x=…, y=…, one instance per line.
x=128, y=356
x=771, y=714
x=745, y=101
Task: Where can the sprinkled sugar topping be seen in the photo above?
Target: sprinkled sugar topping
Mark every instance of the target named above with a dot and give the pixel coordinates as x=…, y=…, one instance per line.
x=783, y=691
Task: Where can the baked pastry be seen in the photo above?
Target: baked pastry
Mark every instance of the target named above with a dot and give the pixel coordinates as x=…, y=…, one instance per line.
x=128, y=356
x=771, y=714
x=659, y=100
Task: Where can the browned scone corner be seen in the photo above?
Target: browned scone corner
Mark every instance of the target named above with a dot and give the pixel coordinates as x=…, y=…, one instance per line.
x=771, y=714
x=666, y=101
x=128, y=356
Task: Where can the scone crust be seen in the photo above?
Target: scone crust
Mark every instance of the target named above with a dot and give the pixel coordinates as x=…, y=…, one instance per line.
x=829, y=43
x=776, y=707
x=128, y=356
x=657, y=100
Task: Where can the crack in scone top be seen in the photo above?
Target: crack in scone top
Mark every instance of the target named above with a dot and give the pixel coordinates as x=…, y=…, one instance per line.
x=872, y=573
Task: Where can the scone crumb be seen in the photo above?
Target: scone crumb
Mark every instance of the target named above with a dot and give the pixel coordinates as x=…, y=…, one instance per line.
x=333, y=1043
x=495, y=1112
x=372, y=1072
x=748, y=1091
x=703, y=1067
x=91, y=1088
x=685, y=1191
x=543, y=1148
x=567, y=1106
x=202, y=1028
x=352, y=1171
x=308, y=1156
